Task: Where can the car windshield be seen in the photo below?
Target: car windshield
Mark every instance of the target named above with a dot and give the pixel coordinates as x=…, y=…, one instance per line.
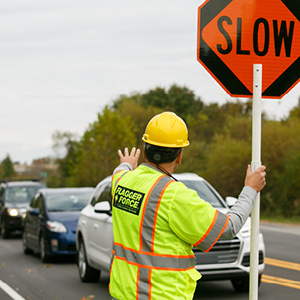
x=20, y=194
x=67, y=202
x=204, y=192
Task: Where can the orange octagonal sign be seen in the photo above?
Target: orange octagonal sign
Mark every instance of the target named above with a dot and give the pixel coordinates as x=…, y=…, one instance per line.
x=235, y=34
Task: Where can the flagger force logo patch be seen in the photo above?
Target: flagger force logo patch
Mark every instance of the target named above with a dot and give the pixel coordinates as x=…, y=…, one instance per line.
x=128, y=200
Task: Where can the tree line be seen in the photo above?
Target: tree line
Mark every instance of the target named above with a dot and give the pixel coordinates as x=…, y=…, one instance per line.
x=220, y=145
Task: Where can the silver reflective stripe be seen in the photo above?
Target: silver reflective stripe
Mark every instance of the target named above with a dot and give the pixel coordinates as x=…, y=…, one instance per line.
x=214, y=233
x=147, y=230
x=149, y=216
x=143, y=286
x=117, y=181
x=148, y=260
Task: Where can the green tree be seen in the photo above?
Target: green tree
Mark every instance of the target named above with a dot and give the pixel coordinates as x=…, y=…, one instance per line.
x=226, y=164
x=7, y=168
x=280, y=153
x=138, y=114
x=295, y=112
x=96, y=155
x=180, y=100
x=65, y=144
x=220, y=148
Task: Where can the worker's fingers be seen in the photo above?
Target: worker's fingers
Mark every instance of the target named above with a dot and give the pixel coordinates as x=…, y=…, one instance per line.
x=120, y=154
x=248, y=172
x=259, y=169
x=137, y=153
x=126, y=153
x=133, y=152
x=257, y=178
x=131, y=158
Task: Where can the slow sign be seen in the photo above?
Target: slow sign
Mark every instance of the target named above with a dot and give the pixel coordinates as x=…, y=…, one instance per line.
x=235, y=34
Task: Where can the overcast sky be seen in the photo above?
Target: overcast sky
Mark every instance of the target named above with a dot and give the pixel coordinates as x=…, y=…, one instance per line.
x=62, y=61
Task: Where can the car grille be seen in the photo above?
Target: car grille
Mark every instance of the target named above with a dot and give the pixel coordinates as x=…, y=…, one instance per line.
x=246, y=259
x=222, y=252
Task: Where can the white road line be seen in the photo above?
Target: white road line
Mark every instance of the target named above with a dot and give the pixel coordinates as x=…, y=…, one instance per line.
x=284, y=229
x=10, y=292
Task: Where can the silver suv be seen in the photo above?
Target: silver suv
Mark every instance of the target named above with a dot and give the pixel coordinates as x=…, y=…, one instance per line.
x=228, y=259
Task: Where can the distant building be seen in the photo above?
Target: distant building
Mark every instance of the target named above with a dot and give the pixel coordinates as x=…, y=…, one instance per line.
x=39, y=169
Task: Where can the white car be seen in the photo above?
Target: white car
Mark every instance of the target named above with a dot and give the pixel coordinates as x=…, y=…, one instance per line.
x=228, y=259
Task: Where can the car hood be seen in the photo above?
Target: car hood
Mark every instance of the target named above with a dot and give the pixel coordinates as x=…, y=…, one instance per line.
x=69, y=219
x=16, y=205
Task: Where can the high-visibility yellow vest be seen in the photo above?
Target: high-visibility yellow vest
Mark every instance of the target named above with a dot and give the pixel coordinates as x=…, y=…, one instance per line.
x=156, y=223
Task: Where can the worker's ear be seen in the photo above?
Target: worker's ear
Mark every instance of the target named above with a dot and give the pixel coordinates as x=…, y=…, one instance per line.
x=144, y=153
x=179, y=158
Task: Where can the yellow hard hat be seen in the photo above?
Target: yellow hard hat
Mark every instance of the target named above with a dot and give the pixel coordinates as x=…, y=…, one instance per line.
x=166, y=130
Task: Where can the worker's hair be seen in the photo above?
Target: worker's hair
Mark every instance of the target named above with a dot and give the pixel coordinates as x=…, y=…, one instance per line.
x=159, y=155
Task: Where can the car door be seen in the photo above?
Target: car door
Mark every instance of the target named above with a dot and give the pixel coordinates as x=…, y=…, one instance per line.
x=31, y=222
x=100, y=234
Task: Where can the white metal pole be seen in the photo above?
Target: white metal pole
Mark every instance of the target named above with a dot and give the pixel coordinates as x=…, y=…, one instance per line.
x=255, y=163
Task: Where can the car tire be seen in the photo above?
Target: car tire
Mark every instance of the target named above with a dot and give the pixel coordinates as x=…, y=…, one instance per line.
x=43, y=254
x=26, y=250
x=241, y=285
x=4, y=232
x=86, y=272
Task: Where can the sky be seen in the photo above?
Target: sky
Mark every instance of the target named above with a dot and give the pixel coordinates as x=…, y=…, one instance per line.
x=62, y=61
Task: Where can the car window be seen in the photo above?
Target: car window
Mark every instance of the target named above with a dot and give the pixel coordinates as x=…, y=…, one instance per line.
x=103, y=193
x=34, y=202
x=204, y=192
x=40, y=204
x=20, y=194
x=67, y=202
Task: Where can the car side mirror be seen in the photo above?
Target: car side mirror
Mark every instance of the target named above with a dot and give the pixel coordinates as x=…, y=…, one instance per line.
x=230, y=201
x=35, y=212
x=103, y=207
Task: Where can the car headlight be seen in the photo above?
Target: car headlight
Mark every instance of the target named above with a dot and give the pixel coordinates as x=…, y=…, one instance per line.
x=56, y=226
x=13, y=212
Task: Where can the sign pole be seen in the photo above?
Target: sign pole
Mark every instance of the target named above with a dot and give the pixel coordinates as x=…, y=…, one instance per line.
x=255, y=163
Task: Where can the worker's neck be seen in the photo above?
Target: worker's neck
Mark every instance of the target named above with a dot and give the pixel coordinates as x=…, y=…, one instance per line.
x=170, y=167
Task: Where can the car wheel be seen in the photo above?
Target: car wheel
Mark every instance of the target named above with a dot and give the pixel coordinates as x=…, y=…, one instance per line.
x=43, y=254
x=86, y=272
x=26, y=250
x=4, y=232
x=241, y=285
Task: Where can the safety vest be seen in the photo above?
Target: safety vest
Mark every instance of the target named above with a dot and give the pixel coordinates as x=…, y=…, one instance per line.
x=156, y=222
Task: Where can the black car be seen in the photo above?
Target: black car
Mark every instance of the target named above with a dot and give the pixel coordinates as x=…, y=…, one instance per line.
x=14, y=199
x=51, y=220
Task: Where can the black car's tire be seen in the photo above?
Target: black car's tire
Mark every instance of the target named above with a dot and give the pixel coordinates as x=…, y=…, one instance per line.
x=43, y=253
x=241, y=285
x=86, y=272
x=26, y=250
x=5, y=233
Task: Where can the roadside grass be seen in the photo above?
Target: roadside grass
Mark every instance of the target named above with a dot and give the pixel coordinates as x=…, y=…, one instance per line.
x=280, y=219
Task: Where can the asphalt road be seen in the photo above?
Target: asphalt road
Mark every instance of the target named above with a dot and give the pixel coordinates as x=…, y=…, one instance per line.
x=30, y=279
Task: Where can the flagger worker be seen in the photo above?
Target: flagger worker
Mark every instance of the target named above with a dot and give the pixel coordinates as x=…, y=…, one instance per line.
x=153, y=240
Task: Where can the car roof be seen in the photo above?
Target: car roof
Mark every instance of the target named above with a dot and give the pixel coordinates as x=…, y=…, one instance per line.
x=53, y=191
x=23, y=183
x=188, y=176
